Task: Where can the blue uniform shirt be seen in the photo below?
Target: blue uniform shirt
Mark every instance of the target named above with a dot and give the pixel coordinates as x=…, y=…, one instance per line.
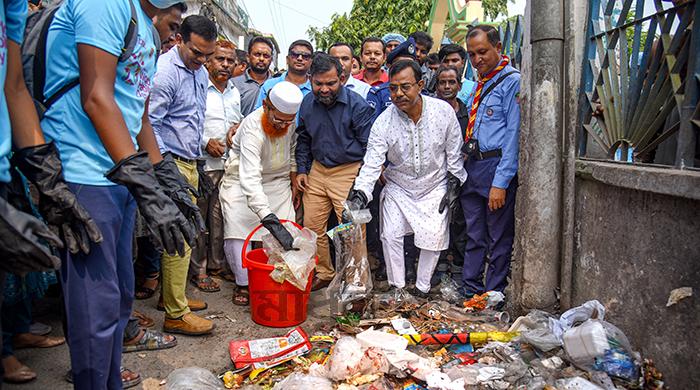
x=177, y=106
x=103, y=25
x=267, y=86
x=497, y=124
x=333, y=135
x=13, y=15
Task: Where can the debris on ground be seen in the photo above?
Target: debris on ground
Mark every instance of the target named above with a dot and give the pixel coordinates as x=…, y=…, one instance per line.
x=401, y=342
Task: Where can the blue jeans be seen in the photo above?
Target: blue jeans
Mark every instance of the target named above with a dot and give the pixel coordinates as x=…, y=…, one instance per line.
x=99, y=288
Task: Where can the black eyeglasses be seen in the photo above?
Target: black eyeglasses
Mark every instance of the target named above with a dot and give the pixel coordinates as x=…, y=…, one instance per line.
x=297, y=54
x=393, y=88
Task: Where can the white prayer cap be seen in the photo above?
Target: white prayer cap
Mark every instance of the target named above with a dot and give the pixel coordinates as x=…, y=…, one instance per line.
x=286, y=97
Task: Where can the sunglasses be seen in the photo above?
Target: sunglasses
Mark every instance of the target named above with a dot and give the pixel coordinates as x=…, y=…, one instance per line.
x=297, y=54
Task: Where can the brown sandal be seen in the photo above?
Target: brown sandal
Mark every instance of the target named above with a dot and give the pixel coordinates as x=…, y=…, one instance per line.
x=41, y=342
x=143, y=292
x=206, y=284
x=144, y=320
x=241, y=296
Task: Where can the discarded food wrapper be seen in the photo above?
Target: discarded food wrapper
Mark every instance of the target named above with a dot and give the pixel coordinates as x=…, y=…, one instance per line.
x=383, y=340
x=450, y=290
x=403, y=326
x=269, y=352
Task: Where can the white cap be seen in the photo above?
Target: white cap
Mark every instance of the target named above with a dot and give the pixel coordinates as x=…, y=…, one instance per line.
x=286, y=97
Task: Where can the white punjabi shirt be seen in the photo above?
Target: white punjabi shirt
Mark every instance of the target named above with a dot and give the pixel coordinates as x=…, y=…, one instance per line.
x=256, y=178
x=223, y=110
x=419, y=156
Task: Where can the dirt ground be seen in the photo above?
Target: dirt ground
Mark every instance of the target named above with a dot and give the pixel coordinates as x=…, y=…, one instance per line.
x=210, y=352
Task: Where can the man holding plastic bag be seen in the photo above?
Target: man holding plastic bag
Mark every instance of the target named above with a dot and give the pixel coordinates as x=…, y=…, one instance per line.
x=420, y=138
x=257, y=183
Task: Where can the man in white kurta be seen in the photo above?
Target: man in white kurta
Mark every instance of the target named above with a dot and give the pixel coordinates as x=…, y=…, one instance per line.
x=420, y=138
x=256, y=186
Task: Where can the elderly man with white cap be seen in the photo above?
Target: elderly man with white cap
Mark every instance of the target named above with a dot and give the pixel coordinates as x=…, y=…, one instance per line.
x=258, y=177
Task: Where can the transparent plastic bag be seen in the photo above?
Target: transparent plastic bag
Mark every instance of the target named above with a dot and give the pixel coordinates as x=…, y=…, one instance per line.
x=353, y=279
x=450, y=290
x=300, y=381
x=350, y=359
x=192, y=378
x=292, y=266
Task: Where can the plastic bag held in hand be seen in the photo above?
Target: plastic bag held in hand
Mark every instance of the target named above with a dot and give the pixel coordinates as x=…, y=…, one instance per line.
x=282, y=235
x=206, y=185
x=451, y=198
x=292, y=266
x=179, y=190
x=41, y=165
x=163, y=219
x=20, y=247
x=357, y=200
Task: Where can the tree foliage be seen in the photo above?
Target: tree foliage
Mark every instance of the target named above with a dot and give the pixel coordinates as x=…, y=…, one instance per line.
x=378, y=17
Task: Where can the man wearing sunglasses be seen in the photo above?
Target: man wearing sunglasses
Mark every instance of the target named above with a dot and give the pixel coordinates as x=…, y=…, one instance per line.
x=177, y=111
x=298, y=64
x=420, y=138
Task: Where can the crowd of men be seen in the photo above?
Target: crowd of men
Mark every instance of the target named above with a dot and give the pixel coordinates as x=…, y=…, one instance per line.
x=183, y=143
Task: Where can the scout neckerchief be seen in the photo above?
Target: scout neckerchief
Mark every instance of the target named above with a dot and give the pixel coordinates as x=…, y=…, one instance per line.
x=477, y=96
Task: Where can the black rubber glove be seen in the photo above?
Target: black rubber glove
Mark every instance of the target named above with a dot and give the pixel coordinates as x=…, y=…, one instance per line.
x=41, y=165
x=21, y=249
x=357, y=200
x=178, y=189
x=273, y=224
x=206, y=185
x=451, y=198
x=164, y=221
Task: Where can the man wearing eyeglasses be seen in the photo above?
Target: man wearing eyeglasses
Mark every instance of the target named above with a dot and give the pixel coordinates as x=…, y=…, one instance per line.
x=258, y=178
x=334, y=125
x=177, y=111
x=420, y=138
x=298, y=64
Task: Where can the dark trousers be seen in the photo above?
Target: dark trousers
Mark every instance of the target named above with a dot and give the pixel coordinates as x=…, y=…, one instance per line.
x=16, y=319
x=489, y=233
x=148, y=256
x=99, y=288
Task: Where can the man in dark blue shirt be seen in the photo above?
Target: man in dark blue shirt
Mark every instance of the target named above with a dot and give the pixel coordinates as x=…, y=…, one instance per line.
x=334, y=125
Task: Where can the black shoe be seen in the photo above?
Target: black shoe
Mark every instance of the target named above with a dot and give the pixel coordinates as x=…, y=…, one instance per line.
x=418, y=293
x=380, y=274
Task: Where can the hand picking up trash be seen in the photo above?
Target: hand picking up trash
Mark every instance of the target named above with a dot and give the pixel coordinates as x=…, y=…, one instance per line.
x=291, y=250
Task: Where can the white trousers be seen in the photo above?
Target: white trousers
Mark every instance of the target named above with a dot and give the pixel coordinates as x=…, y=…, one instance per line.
x=396, y=270
x=233, y=248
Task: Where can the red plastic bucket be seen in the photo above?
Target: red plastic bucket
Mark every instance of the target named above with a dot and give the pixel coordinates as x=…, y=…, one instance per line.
x=273, y=304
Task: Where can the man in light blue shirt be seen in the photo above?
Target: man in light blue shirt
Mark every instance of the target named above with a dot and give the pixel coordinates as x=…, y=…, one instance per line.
x=298, y=63
x=491, y=146
x=96, y=126
x=177, y=111
x=455, y=56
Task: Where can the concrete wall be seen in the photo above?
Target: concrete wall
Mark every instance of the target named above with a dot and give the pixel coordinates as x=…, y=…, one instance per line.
x=632, y=247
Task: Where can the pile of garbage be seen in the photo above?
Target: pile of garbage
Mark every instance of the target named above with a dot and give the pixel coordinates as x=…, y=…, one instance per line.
x=416, y=345
x=393, y=340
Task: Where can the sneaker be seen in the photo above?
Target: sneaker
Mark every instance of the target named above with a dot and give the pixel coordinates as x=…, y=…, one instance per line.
x=189, y=324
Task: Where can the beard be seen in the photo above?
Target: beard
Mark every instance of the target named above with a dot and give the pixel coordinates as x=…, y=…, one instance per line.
x=270, y=129
x=328, y=100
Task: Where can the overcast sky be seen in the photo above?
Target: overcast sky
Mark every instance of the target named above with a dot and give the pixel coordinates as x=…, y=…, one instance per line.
x=288, y=20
